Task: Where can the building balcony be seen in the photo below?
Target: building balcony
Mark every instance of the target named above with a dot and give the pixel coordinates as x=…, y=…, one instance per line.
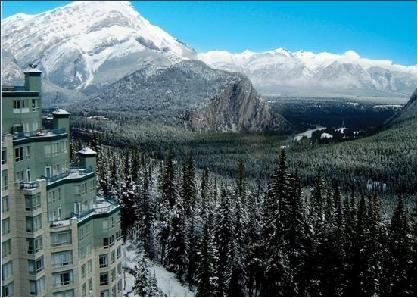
x=38, y=134
x=29, y=185
x=60, y=223
x=102, y=206
x=72, y=173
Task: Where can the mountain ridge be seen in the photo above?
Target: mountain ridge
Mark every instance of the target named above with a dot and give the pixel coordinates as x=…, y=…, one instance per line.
x=306, y=73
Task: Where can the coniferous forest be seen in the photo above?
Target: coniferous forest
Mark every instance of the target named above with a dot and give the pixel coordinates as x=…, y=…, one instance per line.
x=263, y=237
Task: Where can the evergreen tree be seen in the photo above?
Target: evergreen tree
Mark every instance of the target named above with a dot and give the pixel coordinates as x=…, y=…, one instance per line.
x=145, y=285
x=176, y=246
x=169, y=193
x=148, y=218
x=188, y=185
x=223, y=243
x=206, y=272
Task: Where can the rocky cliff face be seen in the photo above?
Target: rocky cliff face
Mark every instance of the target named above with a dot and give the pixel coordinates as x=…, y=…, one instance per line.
x=188, y=94
x=408, y=112
x=237, y=107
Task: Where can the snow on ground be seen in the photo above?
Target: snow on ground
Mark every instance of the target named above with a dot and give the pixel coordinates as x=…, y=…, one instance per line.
x=166, y=281
x=307, y=133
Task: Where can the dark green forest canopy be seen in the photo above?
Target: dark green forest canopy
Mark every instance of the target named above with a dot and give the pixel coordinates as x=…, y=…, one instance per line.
x=387, y=157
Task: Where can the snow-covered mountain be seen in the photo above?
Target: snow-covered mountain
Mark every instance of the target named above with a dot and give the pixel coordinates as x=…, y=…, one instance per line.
x=305, y=73
x=87, y=44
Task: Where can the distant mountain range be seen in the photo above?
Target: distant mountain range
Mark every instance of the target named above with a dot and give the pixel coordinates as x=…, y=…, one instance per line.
x=281, y=72
x=106, y=53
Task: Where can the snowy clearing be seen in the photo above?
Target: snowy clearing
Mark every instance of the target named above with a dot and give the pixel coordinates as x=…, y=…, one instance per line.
x=166, y=281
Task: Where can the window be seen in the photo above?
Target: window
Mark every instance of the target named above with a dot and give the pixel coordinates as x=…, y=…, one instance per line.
x=119, y=268
x=6, y=248
x=19, y=106
x=40, y=285
x=33, y=223
x=68, y=293
x=105, y=242
x=77, y=207
x=112, y=257
x=119, y=285
x=32, y=287
x=63, y=278
x=7, y=270
x=4, y=204
x=27, y=152
x=33, y=105
x=118, y=252
x=104, y=278
x=5, y=226
x=104, y=293
x=118, y=235
x=34, y=245
x=8, y=290
x=64, y=146
x=37, y=287
x=56, y=169
x=90, y=284
x=32, y=202
x=4, y=180
x=60, y=238
x=113, y=275
x=90, y=266
x=83, y=271
x=27, y=174
x=83, y=290
x=18, y=153
x=36, y=266
x=48, y=172
x=102, y=261
x=62, y=258
x=3, y=156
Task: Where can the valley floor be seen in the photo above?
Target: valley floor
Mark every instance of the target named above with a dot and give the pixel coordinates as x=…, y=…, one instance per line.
x=166, y=281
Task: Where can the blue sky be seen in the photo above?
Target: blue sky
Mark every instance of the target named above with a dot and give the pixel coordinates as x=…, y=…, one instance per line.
x=376, y=30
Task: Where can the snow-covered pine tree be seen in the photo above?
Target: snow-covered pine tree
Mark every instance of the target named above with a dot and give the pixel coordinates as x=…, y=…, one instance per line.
x=145, y=285
x=205, y=271
x=176, y=245
x=223, y=243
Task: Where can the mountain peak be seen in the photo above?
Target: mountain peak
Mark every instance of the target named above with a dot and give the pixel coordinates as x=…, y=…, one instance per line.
x=86, y=43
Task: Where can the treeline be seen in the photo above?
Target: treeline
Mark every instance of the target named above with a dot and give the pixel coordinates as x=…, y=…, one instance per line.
x=387, y=158
x=264, y=239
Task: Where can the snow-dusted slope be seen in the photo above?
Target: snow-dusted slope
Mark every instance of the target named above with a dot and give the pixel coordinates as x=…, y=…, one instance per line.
x=187, y=94
x=297, y=73
x=89, y=44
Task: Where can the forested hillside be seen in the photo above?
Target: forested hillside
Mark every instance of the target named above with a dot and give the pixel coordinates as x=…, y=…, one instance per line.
x=272, y=238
